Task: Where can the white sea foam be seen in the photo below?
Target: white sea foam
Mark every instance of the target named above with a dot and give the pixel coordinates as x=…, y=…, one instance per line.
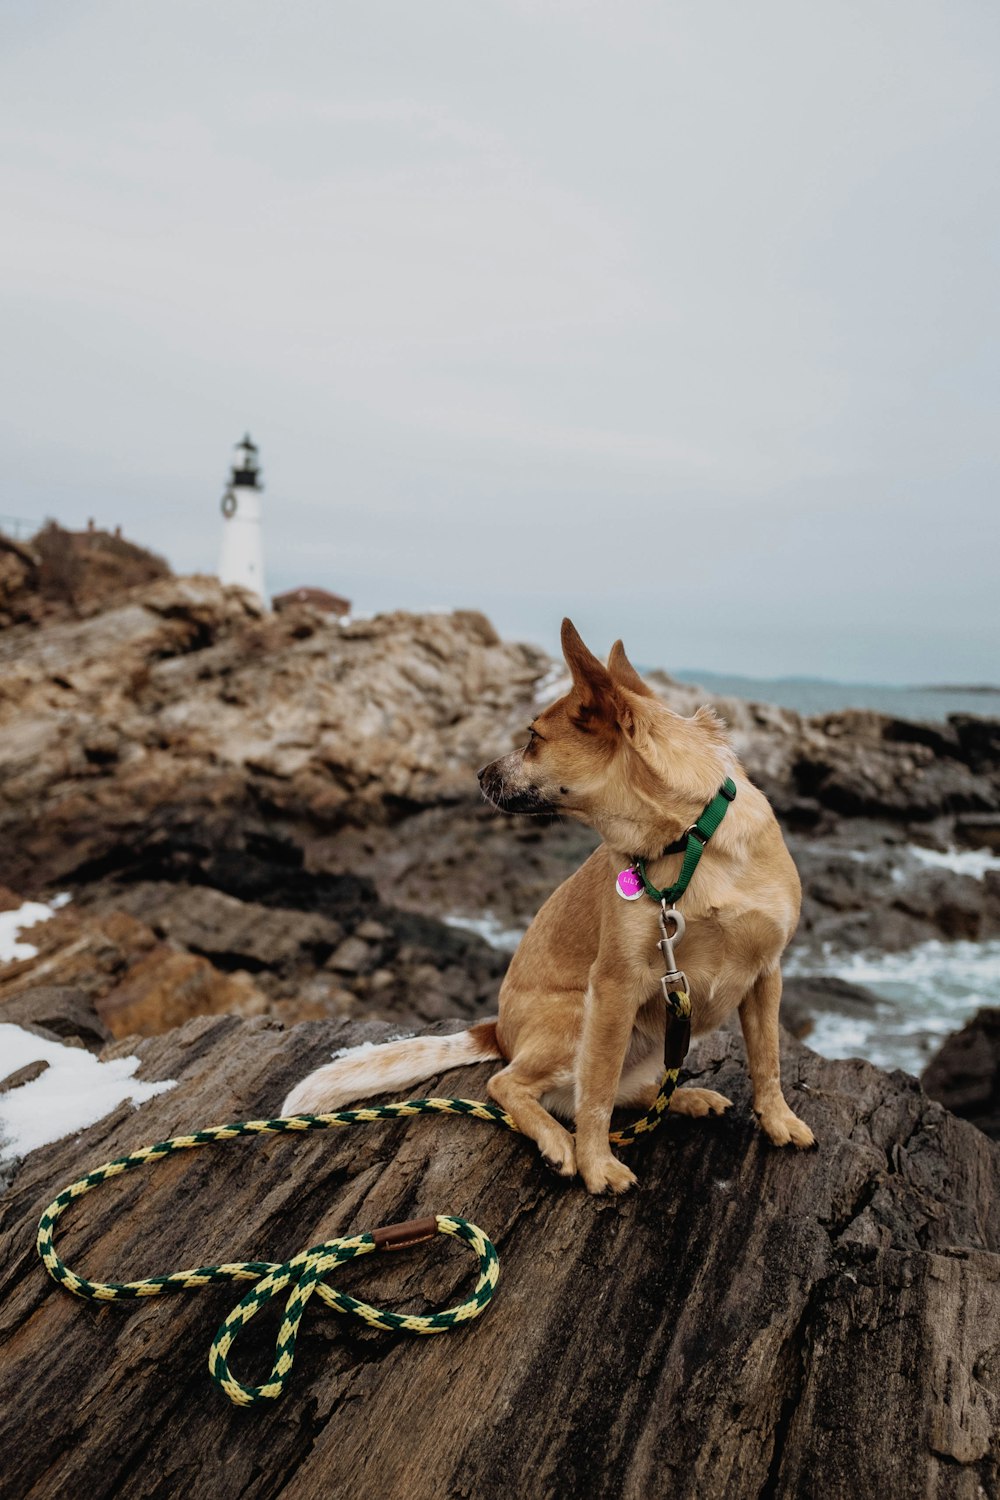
x=491, y=929
x=974, y=862
x=75, y=1090
x=24, y=917
x=903, y=858
x=923, y=994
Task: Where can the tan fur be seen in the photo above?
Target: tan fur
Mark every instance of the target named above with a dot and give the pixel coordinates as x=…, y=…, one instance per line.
x=581, y=1007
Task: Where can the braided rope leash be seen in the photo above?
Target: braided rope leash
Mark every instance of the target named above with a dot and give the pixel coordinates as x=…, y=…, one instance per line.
x=305, y=1273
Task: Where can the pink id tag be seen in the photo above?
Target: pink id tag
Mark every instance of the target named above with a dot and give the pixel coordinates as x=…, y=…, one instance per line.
x=628, y=885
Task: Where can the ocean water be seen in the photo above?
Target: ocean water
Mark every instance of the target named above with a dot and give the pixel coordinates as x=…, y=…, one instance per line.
x=809, y=695
x=922, y=995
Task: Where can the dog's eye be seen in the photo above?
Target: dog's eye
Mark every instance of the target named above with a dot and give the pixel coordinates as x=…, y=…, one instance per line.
x=534, y=737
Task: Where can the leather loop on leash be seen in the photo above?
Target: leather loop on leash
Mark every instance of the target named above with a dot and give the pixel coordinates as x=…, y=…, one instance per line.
x=401, y=1236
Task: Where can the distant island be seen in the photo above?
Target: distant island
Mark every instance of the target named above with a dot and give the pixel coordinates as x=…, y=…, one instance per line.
x=818, y=695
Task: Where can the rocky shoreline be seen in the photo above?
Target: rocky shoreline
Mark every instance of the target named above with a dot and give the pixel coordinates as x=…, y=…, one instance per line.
x=278, y=814
x=266, y=841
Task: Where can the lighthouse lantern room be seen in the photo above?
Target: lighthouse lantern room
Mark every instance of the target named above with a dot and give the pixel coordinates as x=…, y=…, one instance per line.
x=242, y=557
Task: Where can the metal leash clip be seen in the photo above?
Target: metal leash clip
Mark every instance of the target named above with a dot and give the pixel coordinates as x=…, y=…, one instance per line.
x=672, y=926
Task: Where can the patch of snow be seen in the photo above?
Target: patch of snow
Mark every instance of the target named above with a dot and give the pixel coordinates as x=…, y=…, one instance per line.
x=13, y=923
x=76, y=1090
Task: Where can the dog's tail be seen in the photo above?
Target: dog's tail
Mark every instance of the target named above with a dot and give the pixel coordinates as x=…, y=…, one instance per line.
x=362, y=1072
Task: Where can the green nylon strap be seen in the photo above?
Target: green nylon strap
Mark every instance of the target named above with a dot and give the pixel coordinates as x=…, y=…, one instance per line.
x=698, y=836
x=306, y=1272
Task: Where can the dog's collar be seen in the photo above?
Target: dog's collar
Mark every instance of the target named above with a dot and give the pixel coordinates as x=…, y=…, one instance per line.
x=692, y=843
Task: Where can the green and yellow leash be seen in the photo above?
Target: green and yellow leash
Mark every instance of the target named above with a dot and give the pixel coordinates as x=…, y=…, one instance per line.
x=305, y=1273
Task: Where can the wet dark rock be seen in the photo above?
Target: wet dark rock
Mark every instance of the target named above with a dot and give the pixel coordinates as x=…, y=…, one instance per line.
x=863, y=764
x=979, y=740
x=955, y=906
x=805, y=997
x=231, y=932
x=964, y=1075
x=979, y=831
x=875, y=894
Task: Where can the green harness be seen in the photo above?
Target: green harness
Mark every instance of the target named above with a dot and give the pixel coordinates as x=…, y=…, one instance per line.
x=306, y=1272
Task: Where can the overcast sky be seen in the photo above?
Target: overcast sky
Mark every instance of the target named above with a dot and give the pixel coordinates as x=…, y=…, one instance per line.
x=678, y=318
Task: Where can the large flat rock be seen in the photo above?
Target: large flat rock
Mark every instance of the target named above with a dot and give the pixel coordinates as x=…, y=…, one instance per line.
x=750, y=1322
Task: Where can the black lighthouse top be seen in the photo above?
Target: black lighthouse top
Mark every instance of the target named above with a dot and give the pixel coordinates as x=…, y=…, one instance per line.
x=246, y=468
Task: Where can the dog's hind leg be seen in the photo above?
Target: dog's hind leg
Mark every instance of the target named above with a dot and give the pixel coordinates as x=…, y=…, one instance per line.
x=759, y=1019
x=518, y=1091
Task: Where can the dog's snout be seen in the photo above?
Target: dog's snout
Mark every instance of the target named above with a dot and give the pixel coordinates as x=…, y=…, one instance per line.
x=481, y=773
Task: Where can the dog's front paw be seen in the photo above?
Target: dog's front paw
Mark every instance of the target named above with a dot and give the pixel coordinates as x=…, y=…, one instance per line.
x=560, y=1156
x=783, y=1128
x=607, y=1175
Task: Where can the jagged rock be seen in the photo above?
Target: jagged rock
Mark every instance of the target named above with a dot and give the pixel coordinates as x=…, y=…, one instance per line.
x=180, y=733
x=979, y=831
x=182, y=707
x=804, y=998
x=964, y=1074
x=166, y=988
x=60, y=1010
x=18, y=580
x=195, y=708
x=353, y=956
x=256, y=956
x=230, y=932
x=979, y=739
x=858, y=763
x=749, y=1322
x=27, y=1074
x=63, y=573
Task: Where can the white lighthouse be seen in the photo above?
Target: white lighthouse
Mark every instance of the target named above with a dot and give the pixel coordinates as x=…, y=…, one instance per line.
x=242, y=558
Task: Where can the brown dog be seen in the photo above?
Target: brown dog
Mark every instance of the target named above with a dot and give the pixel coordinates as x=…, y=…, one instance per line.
x=581, y=1008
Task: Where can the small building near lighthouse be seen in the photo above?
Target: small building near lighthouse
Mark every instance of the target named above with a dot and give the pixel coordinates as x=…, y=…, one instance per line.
x=241, y=560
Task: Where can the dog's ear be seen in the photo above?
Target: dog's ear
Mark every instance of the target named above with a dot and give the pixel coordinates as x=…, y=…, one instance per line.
x=622, y=671
x=595, y=698
x=590, y=676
